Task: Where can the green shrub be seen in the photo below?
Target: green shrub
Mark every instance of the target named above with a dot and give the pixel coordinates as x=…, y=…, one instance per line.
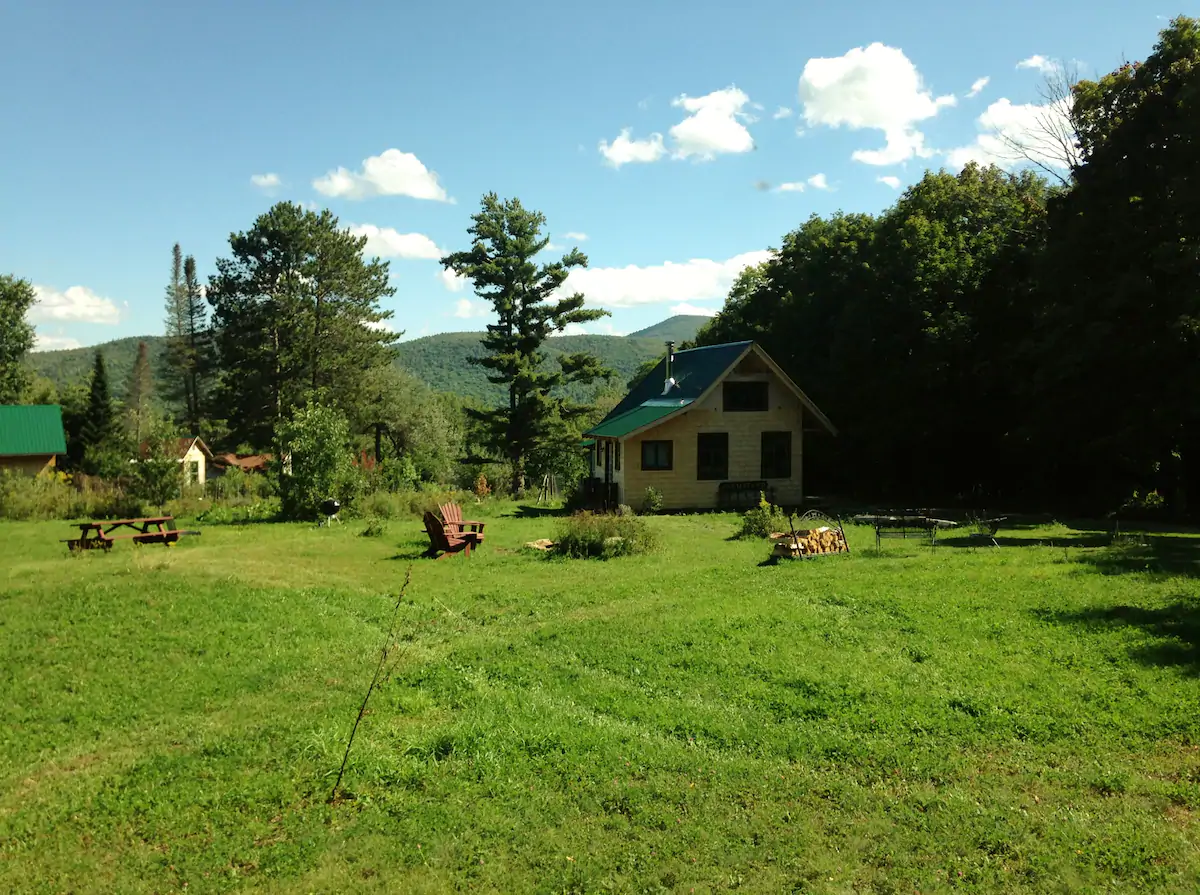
x=316, y=438
x=376, y=528
x=240, y=512
x=597, y=535
x=400, y=504
x=56, y=495
x=652, y=501
x=764, y=519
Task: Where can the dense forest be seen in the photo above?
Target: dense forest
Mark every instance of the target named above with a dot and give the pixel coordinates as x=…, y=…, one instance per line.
x=997, y=337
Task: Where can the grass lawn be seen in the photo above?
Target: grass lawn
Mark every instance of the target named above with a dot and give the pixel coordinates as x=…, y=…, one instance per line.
x=1024, y=719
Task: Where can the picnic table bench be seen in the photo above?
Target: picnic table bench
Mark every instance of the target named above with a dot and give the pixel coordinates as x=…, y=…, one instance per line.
x=148, y=530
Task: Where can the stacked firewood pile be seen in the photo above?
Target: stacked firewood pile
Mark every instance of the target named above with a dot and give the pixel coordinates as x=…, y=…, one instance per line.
x=810, y=542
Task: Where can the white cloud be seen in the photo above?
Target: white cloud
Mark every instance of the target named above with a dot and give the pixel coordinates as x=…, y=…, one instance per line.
x=624, y=150
x=693, y=310
x=977, y=87
x=1038, y=63
x=578, y=237
x=391, y=173
x=601, y=328
x=714, y=126
x=451, y=280
x=878, y=88
x=782, y=112
x=78, y=304
x=265, y=181
x=700, y=279
x=818, y=182
x=794, y=187
x=386, y=242
x=1006, y=126
x=889, y=180
x=54, y=343
x=469, y=307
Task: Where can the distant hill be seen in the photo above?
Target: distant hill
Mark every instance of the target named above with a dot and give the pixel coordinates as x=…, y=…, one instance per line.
x=439, y=360
x=679, y=328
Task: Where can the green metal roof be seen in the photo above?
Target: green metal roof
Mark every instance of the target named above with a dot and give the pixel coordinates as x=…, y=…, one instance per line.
x=31, y=429
x=693, y=370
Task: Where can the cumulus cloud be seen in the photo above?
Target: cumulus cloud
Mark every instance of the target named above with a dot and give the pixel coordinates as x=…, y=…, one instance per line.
x=700, y=279
x=386, y=242
x=451, y=280
x=1010, y=131
x=466, y=308
x=77, y=304
x=625, y=150
x=715, y=125
x=265, y=182
x=782, y=112
x=874, y=88
x=977, y=87
x=602, y=328
x=889, y=180
x=391, y=173
x=692, y=310
x=817, y=182
x=1038, y=62
x=575, y=235
x=54, y=343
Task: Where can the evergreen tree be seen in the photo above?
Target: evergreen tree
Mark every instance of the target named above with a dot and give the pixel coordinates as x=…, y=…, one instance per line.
x=295, y=318
x=101, y=446
x=139, y=395
x=525, y=297
x=175, y=377
x=16, y=336
x=195, y=335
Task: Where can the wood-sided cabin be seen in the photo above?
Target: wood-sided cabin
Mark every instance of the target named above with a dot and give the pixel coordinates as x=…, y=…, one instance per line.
x=709, y=428
x=31, y=437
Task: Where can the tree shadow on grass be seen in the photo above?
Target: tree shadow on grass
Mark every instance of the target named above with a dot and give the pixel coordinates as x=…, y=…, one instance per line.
x=1082, y=540
x=1163, y=555
x=1176, y=627
x=524, y=511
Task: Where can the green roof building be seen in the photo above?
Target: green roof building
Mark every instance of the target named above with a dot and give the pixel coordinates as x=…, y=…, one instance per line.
x=31, y=437
x=707, y=428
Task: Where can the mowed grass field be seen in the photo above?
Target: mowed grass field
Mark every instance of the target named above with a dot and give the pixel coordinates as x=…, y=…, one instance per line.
x=1024, y=719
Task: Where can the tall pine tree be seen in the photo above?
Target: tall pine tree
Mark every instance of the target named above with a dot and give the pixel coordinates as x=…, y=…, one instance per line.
x=525, y=297
x=101, y=448
x=186, y=340
x=139, y=395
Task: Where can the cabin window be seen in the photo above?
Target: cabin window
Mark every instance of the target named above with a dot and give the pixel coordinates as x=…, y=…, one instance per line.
x=712, y=455
x=194, y=472
x=744, y=397
x=657, y=455
x=776, y=455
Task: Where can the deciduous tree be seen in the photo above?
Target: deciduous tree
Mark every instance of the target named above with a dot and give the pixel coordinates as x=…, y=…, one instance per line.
x=16, y=336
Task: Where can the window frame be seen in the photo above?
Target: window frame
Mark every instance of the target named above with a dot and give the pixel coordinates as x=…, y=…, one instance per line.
x=762, y=454
x=670, y=452
x=744, y=385
x=704, y=474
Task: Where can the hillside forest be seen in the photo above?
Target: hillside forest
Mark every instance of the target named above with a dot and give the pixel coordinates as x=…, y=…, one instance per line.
x=1024, y=336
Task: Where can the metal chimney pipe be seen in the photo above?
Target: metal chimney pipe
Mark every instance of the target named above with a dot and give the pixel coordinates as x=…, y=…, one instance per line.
x=670, y=352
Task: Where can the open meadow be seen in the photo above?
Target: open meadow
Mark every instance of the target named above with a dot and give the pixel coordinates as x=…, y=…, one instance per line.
x=1022, y=719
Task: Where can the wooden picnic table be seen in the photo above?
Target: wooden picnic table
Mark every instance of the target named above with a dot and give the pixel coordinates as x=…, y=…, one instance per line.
x=147, y=530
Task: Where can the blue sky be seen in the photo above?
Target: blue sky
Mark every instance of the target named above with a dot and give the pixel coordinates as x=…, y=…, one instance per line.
x=655, y=130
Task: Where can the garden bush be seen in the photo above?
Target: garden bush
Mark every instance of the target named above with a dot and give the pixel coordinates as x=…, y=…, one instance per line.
x=652, y=501
x=764, y=519
x=596, y=535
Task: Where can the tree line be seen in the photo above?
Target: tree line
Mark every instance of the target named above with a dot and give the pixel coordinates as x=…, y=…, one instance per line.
x=994, y=337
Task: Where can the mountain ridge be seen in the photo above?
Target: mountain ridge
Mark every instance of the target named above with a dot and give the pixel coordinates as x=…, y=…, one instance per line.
x=440, y=360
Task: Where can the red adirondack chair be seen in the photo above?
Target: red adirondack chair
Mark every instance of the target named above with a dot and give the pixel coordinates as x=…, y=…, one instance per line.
x=452, y=517
x=444, y=542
